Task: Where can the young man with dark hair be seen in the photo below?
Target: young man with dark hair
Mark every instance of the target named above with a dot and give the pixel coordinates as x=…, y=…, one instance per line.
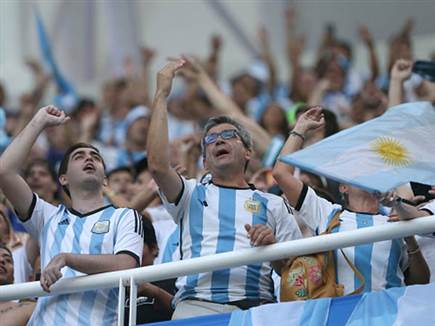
x=11, y=313
x=87, y=238
x=225, y=214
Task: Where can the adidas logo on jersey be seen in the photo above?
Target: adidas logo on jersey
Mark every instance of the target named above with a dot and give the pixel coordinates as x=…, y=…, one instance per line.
x=64, y=222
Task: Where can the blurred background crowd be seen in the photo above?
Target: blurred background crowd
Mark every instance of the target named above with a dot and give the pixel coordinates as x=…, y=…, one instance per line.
x=264, y=63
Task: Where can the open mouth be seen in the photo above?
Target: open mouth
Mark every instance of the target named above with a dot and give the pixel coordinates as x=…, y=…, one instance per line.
x=221, y=152
x=2, y=270
x=89, y=168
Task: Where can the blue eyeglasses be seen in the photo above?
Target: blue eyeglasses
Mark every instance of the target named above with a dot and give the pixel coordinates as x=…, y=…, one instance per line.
x=225, y=134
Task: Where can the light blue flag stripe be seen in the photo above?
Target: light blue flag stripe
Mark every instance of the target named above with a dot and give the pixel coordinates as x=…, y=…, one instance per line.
x=240, y=318
x=315, y=312
x=349, y=157
x=376, y=308
x=363, y=254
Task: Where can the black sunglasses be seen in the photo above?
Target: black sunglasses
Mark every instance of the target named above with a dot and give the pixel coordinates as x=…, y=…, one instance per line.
x=225, y=134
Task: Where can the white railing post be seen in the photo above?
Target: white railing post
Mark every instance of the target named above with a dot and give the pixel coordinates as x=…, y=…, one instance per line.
x=121, y=302
x=133, y=301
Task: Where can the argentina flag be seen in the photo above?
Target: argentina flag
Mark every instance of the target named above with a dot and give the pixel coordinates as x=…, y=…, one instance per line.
x=379, y=154
x=392, y=307
x=66, y=98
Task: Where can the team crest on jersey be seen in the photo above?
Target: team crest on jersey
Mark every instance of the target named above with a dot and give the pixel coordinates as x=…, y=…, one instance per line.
x=252, y=206
x=101, y=227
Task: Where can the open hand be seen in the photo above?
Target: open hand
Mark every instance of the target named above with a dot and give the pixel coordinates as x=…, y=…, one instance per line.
x=166, y=75
x=310, y=120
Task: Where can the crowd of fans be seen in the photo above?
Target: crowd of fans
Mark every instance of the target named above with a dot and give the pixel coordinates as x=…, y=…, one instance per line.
x=199, y=165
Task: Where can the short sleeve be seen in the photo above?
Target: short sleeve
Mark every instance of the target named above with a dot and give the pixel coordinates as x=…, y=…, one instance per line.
x=313, y=210
x=429, y=207
x=129, y=236
x=177, y=209
x=286, y=228
x=39, y=213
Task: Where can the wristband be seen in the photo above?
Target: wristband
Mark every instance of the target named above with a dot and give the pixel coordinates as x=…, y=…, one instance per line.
x=297, y=134
x=413, y=252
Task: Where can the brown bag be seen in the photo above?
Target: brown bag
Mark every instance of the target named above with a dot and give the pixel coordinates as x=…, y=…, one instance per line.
x=314, y=276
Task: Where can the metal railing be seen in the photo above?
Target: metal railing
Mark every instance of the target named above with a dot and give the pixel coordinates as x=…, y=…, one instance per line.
x=132, y=277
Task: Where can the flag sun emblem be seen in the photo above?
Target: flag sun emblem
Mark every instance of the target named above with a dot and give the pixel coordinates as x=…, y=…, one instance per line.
x=391, y=151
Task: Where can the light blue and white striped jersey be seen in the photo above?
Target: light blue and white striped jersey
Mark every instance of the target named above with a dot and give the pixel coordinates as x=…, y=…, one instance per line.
x=211, y=220
x=168, y=240
x=104, y=231
x=382, y=263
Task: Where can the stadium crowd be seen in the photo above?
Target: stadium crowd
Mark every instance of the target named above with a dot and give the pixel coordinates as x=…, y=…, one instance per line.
x=194, y=172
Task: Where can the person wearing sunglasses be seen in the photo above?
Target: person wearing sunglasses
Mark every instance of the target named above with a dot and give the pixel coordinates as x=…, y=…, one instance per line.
x=222, y=214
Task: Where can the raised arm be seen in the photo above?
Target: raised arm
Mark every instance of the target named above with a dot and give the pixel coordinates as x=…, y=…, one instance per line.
x=13, y=185
x=266, y=53
x=400, y=72
x=282, y=172
x=158, y=144
x=367, y=38
x=226, y=106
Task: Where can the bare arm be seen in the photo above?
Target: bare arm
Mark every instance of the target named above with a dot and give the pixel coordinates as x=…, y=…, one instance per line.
x=418, y=272
x=368, y=41
x=163, y=299
x=400, y=72
x=282, y=172
x=15, y=188
x=268, y=59
x=213, y=59
x=158, y=144
x=88, y=264
x=226, y=106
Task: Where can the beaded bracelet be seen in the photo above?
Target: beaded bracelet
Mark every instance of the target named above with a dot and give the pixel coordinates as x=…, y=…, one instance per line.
x=413, y=252
x=297, y=134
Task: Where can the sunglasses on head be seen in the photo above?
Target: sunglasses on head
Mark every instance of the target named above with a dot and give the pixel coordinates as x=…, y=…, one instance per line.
x=225, y=134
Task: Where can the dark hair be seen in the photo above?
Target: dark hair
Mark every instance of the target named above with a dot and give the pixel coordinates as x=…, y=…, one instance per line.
x=121, y=169
x=82, y=103
x=243, y=133
x=5, y=247
x=65, y=160
x=149, y=237
x=283, y=127
x=215, y=121
x=331, y=124
x=40, y=162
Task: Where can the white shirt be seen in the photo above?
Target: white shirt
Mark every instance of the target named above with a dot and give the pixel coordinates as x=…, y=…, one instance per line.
x=427, y=244
x=212, y=219
x=104, y=231
x=382, y=263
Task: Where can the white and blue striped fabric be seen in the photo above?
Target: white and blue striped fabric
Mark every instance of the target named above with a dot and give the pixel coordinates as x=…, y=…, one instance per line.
x=380, y=154
x=394, y=307
x=211, y=220
x=382, y=263
x=105, y=231
x=168, y=241
x=398, y=307
x=307, y=313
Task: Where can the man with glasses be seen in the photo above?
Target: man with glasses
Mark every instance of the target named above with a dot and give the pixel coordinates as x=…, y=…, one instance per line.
x=222, y=215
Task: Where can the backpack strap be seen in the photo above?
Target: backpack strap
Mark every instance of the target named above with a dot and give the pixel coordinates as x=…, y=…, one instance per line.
x=357, y=273
x=335, y=221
